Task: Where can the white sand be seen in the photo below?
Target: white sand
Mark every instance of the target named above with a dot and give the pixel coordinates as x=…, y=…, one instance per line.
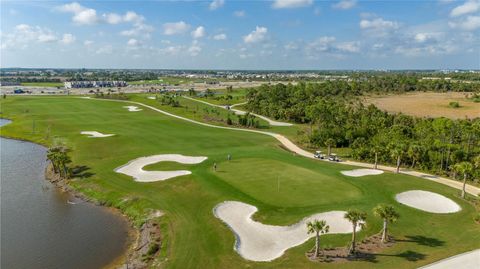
x=467, y=260
x=134, y=167
x=133, y=108
x=428, y=201
x=259, y=242
x=361, y=172
x=95, y=134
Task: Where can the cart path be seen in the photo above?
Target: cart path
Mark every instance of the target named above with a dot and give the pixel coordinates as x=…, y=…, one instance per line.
x=465, y=260
x=297, y=150
x=241, y=112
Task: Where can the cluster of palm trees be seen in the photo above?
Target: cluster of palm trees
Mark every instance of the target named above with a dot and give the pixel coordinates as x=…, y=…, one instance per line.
x=59, y=158
x=357, y=218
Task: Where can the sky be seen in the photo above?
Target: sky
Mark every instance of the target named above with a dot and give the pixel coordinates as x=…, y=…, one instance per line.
x=236, y=34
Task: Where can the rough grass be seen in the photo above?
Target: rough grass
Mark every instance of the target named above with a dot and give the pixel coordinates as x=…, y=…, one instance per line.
x=428, y=104
x=43, y=84
x=193, y=237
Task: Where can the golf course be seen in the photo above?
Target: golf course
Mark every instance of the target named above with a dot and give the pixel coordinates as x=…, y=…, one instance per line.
x=219, y=165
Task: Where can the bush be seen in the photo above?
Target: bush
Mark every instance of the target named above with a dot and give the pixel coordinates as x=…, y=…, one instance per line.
x=154, y=247
x=454, y=105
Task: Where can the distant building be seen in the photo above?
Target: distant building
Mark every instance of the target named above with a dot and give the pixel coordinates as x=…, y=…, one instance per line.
x=94, y=84
x=9, y=83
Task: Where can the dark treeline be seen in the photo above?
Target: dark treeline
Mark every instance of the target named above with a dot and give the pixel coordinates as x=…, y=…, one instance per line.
x=337, y=118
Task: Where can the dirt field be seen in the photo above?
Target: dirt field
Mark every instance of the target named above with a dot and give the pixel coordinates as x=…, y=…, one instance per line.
x=428, y=104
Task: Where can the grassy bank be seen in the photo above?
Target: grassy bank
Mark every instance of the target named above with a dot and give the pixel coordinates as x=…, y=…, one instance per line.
x=193, y=237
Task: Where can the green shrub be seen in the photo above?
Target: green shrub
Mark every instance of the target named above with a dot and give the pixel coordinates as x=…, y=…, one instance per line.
x=454, y=105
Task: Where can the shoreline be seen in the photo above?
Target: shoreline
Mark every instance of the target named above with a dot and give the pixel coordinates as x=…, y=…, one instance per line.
x=135, y=245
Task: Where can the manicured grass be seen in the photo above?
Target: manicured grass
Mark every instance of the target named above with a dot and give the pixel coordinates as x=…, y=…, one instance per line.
x=43, y=84
x=192, y=236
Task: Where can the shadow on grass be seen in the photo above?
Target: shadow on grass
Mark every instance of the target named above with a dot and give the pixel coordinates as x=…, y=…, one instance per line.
x=423, y=240
x=81, y=171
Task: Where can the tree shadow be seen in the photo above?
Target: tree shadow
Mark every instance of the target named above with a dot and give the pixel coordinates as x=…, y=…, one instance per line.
x=81, y=171
x=411, y=256
x=423, y=240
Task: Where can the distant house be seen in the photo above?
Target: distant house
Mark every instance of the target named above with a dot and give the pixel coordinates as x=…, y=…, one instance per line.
x=94, y=84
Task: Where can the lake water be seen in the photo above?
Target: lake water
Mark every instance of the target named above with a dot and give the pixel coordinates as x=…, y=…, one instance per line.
x=39, y=228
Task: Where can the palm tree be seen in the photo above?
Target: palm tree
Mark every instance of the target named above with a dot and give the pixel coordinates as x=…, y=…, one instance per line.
x=357, y=218
x=318, y=227
x=376, y=149
x=466, y=169
x=397, y=153
x=388, y=214
x=330, y=143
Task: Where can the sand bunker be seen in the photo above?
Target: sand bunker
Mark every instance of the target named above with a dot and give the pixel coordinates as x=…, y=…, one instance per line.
x=152, y=97
x=134, y=167
x=133, y=108
x=361, y=172
x=260, y=242
x=95, y=134
x=428, y=201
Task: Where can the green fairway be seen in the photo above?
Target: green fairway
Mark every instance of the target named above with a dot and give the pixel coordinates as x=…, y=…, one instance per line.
x=284, y=187
x=43, y=84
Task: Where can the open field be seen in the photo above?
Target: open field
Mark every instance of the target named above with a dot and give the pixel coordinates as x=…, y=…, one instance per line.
x=428, y=104
x=285, y=188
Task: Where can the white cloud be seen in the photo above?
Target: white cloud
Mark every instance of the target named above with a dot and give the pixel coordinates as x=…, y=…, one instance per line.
x=107, y=49
x=133, y=42
x=470, y=23
x=351, y=47
x=46, y=38
x=68, y=39
x=81, y=14
x=216, y=4
x=427, y=37
x=379, y=24
x=171, y=50
x=199, y=32
x=131, y=16
x=258, y=35
x=345, y=4
x=279, y=4
x=239, y=13
x=174, y=28
x=194, y=49
x=470, y=6
x=220, y=37
x=88, y=42
x=112, y=18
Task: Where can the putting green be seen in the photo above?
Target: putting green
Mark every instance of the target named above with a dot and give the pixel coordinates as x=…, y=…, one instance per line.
x=282, y=184
x=191, y=236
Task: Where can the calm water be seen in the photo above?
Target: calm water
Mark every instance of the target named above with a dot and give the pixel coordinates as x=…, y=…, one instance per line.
x=39, y=228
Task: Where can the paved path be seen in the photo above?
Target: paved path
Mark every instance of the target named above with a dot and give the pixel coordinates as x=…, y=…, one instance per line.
x=294, y=148
x=467, y=260
x=241, y=112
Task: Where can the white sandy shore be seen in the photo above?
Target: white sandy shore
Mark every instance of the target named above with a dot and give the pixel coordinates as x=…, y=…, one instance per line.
x=361, y=172
x=134, y=167
x=467, y=260
x=133, y=108
x=259, y=242
x=428, y=201
x=95, y=134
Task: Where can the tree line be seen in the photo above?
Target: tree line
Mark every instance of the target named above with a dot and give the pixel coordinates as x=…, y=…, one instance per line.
x=337, y=118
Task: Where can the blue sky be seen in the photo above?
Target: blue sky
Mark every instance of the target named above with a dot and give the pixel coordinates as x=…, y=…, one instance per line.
x=235, y=34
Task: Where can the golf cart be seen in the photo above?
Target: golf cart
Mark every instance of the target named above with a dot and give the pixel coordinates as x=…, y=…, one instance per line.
x=334, y=158
x=319, y=155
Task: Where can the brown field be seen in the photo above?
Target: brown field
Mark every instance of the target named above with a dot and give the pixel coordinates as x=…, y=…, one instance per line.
x=428, y=104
